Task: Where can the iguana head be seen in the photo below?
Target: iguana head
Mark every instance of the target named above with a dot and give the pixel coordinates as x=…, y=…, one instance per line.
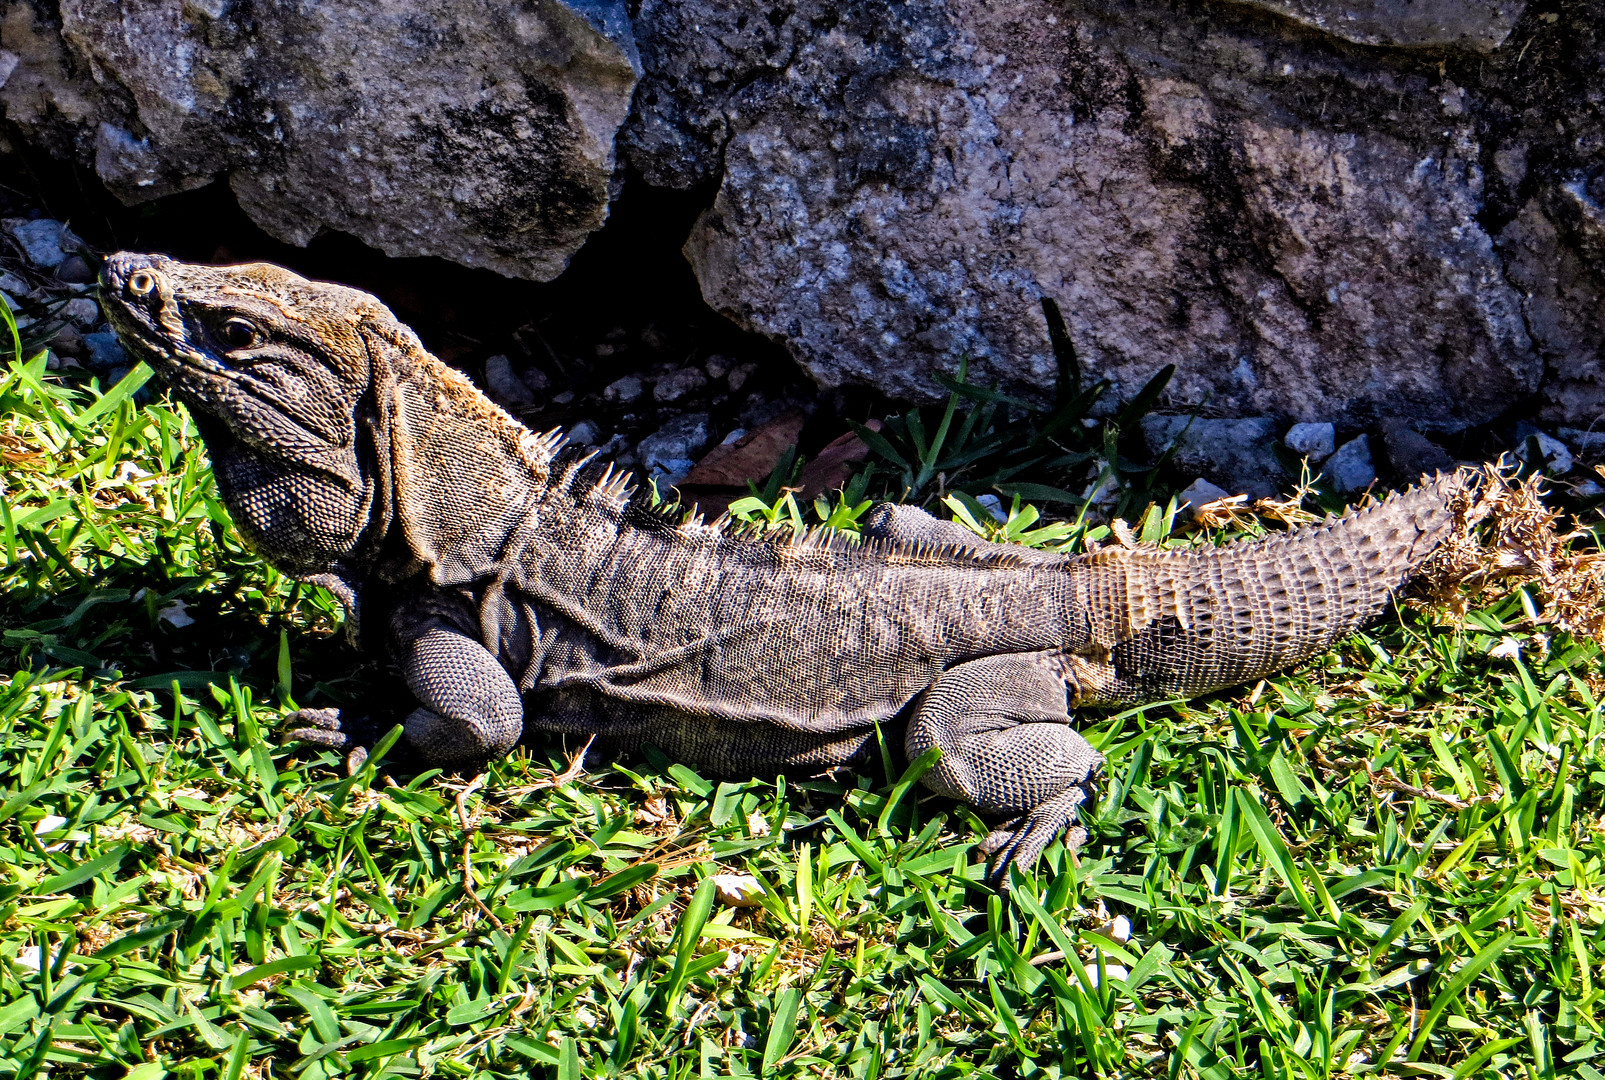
x=279, y=375
x=332, y=431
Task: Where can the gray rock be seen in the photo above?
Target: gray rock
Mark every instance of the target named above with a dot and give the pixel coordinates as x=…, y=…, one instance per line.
x=718, y=366
x=82, y=312
x=13, y=286
x=1564, y=301
x=504, y=384
x=1238, y=455
x=675, y=444
x=42, y=240
x=105, y=352
x=584, y=433
x=1350, y=470
x=900, y=185
x=1477, y=25
x=1588, y=441
x=1411, y=454
x=74, y=270
x=480, y=133
x=1556, y=454
x=623, y=391
x=678, y=383
x=738, y=376
x=1314, y=441
x=1200, y=492
x=995, y=507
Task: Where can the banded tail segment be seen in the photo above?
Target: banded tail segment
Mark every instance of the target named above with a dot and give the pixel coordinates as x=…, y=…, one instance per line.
x=1181, y=623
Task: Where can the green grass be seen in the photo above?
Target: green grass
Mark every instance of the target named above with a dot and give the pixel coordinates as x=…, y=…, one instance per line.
x=1390, y=862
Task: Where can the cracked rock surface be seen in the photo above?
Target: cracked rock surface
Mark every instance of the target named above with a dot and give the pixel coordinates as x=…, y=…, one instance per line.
x=1322, y=211
x=480, y=133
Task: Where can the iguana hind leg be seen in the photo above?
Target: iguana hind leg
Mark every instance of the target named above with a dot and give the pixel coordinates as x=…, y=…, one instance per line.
x=1003, y=725
x=469, y=709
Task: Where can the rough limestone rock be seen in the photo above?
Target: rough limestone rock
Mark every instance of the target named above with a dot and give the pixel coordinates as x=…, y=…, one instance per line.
x=1301, y=223
x=480, y=133
x=1479, y=26
x=1319, y=210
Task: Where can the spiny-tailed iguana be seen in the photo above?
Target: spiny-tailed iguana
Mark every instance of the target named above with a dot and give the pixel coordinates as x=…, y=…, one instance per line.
x=520, y=584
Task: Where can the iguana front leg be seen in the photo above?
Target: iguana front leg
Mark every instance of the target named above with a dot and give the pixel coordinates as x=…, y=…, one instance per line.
x=1002, y=723
x=469, y=709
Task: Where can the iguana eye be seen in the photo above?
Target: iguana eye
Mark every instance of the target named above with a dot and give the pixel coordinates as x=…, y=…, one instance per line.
x=240, y=333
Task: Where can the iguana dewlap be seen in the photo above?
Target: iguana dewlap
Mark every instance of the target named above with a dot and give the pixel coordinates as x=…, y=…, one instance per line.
x=519, y=584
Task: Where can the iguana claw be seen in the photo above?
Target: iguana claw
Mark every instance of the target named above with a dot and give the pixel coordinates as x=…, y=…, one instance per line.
x=332, y=729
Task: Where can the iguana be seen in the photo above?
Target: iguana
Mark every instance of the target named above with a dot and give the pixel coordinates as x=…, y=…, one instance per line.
x=521, y=584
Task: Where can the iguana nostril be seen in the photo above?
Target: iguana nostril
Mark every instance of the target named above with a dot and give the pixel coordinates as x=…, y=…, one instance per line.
x=141, y=282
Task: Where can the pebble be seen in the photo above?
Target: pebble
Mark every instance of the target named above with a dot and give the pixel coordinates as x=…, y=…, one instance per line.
x=504, y=384
x=734, y=436
x=739, y=375
x=82, y=312
x=584, y=433
x=994, y=506
x=1557, y=455
x=565, y=398
x=42, y=240
x=1201, y=491
x=718, y=366
x=668, y=453
x=624, y=390
x=74, y=270
x=105, y=351
x=1314, y=441
x=1350, y=469
x=12, y=285
x=678, y=383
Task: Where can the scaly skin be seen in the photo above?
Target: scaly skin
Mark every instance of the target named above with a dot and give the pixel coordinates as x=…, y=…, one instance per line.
x=521, y=585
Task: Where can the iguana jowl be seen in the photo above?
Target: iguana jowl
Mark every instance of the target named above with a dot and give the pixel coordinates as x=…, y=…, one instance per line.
x=519, y=584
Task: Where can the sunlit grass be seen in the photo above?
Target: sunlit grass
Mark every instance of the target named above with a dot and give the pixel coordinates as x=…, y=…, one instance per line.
x=1390, y=862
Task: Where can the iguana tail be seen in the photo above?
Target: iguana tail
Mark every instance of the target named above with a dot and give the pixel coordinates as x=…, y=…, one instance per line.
x=1185, y=622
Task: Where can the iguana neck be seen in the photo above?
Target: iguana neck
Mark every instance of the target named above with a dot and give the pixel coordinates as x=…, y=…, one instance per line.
x=465, y=476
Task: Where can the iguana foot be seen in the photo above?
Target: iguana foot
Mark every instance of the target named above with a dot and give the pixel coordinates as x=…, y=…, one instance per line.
x=1020, y=843
x=334, y=729
x=1008, y=749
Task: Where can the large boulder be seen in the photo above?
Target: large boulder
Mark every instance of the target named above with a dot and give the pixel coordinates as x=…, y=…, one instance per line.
x=1330, y=211
x=482, y=133
x=1296, y=223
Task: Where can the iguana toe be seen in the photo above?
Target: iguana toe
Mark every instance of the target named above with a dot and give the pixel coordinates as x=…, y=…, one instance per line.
x=333, y=729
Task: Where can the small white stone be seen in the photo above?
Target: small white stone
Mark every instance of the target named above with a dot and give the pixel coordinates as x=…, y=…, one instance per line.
x=1350, y=469
x=734, y=436
x=1314, y=441
x=1199, y=492
x=994, y=506
x=173, y=614
x=757, y=824
x=48, y=824
x=1557, y=455
x=29, y=957
x=1117, y=929
x=738, y=890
